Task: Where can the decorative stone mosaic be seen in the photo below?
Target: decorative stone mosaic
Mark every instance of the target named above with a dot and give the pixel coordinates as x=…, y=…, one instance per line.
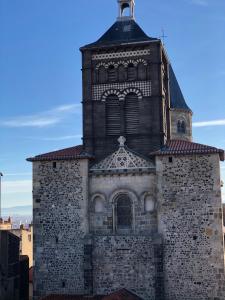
x=122, y=159
x=98, y=90
x=120, y=54
x=122, y=95
x=124, y=63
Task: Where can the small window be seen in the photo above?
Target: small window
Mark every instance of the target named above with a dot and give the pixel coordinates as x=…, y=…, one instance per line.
x=149, y=204
x=29, y=237
x=99, y=204
x=63, y=284
x=170, y=159
x=54, y=165
x=181, y=127
x=56, y=240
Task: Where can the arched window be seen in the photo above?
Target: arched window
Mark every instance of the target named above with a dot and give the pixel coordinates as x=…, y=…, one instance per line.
x=98, y=204
x=121, y=73
x=131, y=72
x=102, y=75
x=123, y=212
x=125, y=10
x=112, y=74
x=181, y=127
x=141, y=70
x=112, y=115
x=132, y=114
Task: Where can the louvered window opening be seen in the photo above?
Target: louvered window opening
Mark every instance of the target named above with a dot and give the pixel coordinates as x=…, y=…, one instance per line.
x=132, y=114
x=112, y=74
x=141, y=70
x=121, y=73
x=102, y=75
x=112, y=115
x=131, y=72
x=124, y=212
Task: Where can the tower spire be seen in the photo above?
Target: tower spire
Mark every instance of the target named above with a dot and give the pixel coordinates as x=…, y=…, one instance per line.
x=126, y=10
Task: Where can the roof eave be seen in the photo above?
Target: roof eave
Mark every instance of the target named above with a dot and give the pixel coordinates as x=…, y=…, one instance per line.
x=117, y=44
x=36, y=158
x=194, y=152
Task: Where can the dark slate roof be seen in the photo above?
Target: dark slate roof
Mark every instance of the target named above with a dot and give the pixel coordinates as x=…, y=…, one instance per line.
x=64, y=154
x=126, y=31
x=176, y=96
x=179, y=147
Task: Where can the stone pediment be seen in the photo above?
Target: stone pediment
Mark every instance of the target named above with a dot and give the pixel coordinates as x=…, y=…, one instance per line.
x=123, y=159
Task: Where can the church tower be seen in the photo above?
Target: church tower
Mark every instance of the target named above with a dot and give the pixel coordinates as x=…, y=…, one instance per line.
x=125, y=88
x=137, y=207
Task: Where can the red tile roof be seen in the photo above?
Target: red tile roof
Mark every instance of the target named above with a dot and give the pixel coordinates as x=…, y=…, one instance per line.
x=64, y=154
x=122, y=295
x=178, y=147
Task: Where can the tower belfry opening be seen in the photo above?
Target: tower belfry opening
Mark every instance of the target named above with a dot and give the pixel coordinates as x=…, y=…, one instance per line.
x=126, y=10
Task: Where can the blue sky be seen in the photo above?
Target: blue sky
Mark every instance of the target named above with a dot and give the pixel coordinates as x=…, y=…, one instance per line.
x=40, y=77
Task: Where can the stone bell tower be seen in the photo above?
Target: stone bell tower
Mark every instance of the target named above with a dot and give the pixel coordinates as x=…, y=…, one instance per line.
x=125, y=89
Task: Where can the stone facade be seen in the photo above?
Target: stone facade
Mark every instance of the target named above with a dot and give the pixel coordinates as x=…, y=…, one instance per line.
x=60, y=224
x=191, y=223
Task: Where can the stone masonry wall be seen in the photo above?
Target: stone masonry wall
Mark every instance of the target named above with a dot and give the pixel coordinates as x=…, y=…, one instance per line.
x=190, y=221
x=137, y=186
x=60, y=223
x=124, y=262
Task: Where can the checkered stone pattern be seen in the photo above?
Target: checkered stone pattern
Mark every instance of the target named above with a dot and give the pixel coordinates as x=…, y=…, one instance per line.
x=99, y=90
x=120, y=54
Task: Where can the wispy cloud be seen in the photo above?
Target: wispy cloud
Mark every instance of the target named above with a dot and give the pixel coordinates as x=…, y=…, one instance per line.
x=43, y=119
x=57, y=138
x=17, y=174
x=209, y=123
x=200, y=2
x=16, y=187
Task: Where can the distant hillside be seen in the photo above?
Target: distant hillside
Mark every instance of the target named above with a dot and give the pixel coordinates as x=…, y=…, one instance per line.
x=17, y=211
